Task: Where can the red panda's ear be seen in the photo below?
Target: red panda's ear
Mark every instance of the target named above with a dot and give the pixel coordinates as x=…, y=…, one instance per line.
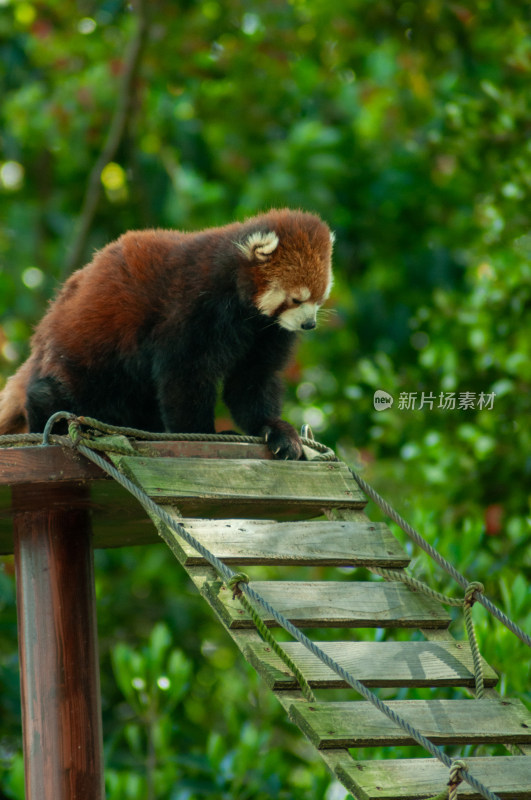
x=258, y=245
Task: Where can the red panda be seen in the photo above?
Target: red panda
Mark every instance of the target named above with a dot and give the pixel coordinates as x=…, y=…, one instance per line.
x=144, y=334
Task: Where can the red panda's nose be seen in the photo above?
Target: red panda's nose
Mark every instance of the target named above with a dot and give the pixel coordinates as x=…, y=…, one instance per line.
x=308, y=325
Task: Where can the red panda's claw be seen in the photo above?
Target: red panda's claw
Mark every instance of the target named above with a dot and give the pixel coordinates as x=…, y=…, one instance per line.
x=283, y=441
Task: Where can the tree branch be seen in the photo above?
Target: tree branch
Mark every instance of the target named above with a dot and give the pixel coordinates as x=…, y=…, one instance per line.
x=117, y=130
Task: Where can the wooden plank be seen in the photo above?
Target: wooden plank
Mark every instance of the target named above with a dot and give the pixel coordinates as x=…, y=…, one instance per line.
x=333, y=604
x=373, y=663
x=245, y=484
x=248, y=541
x=421, y=778
x=118, y=519
x=360, y=724
x=37, y=464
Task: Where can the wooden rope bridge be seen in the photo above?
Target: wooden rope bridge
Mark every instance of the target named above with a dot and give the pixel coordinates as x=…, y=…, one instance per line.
x=248, y=510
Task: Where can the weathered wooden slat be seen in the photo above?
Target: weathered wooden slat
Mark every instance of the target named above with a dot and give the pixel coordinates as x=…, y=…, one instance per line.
x=333, y=604
x=360, y=724
x=247, y=541
x=420, y=778
x=373, y=663
x=36, y=464
x=202, y=487
x=117, y=518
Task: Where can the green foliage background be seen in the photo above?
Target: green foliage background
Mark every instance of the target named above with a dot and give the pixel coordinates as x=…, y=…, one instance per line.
x=407, y=127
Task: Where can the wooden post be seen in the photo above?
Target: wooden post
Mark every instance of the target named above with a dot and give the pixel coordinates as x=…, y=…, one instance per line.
x=61, y=707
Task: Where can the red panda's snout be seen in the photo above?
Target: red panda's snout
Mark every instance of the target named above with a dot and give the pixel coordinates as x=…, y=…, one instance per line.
x=293, y=310
x=300, y=316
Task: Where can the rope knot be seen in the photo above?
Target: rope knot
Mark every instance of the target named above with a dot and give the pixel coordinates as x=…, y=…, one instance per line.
x=74, y=431
x=455, y=777
x=234, y=583
x=470, y=592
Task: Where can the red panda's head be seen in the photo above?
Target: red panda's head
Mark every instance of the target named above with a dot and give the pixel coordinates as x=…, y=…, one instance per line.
x=289, y=255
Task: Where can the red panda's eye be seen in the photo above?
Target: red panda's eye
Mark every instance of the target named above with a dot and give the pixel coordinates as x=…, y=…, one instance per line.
x=295, y=301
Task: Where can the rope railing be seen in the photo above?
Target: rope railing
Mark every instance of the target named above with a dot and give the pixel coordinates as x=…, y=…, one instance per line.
x=227, y=574
x=390, y=512
x=84, y=443
x=323, y=453
x=472, y=592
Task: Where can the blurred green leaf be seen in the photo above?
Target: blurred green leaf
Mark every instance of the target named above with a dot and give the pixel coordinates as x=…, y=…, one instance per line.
x=406, y=126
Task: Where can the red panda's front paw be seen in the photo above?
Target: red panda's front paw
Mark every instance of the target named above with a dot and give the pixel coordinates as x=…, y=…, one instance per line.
x=283, y=440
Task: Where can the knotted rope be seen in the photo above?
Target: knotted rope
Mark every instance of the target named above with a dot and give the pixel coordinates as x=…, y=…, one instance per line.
x=85, y=444
x=466, y=603
x=450, y=793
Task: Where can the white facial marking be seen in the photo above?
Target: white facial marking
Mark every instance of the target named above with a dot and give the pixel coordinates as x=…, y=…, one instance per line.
x=270, y=300
x=294, y=318
x=328, y=287
x=259, y=244
x=302, y=294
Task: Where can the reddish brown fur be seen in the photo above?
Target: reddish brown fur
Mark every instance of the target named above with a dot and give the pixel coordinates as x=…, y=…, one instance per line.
x=153, y=289
x=13, y=417
x=83, y=318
